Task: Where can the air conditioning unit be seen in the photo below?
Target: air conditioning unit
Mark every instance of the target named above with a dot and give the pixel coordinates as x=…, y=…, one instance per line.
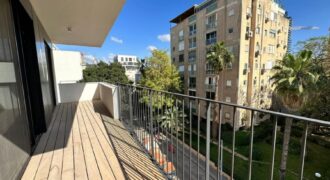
x=248, y=15
x=267, y=19
x=250, y=34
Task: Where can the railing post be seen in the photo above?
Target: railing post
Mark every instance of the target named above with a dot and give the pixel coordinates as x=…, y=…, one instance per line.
x=251, y=145
x=219, y=169
x=233, y=146
x=119, y=103
x=273, y=149
x=303, y=151
x=208, y=133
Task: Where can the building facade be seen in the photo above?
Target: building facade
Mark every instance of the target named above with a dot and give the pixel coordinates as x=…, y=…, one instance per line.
x=256, y=32
x=131, y=65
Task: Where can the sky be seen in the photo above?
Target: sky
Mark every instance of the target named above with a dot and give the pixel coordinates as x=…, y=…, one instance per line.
x=144, y=24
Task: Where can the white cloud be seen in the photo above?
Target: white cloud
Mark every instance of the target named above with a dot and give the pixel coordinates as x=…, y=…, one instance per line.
x=164, y=37
x=298, y=28
x=117, y=40
x=151, y=48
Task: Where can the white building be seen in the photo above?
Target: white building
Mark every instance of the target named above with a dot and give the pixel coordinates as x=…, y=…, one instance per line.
x=131, y=65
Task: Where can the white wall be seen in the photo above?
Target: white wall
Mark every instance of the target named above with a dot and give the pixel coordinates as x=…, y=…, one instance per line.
x=67, y=68
x=74, y=92
x=110, y=98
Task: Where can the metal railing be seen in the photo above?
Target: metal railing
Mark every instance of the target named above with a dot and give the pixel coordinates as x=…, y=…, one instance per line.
x=180, y=142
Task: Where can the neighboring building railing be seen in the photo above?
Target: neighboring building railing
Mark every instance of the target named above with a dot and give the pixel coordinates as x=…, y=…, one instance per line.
x=180, y=142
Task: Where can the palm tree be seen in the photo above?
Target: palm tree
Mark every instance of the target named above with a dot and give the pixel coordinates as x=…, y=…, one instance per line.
x=293, y=80
x=218, y=57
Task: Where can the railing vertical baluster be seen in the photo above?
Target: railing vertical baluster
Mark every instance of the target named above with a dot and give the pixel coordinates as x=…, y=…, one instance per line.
x=208, y=136
x=183, y=134
x=151, y=123
x=303, y=151
x=273, y=148
x=251, y=144
x=177, y=132
x=221, y=158
x=190, y=138
x=198, y=134
x=119, y=104
x=171, y=132
x=233, y=146
x=219, y=170
x=130, y=99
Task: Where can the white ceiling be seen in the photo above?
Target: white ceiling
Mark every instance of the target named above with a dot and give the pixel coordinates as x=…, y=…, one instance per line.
x=89, y=20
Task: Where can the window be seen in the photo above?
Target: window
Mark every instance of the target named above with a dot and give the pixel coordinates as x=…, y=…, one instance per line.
x=192, y=55
x=247, y=48
x=248, y=11
x=258, y=30
x=192, y=42
x=192, y=68
x=192, y=93
x=244, y=82
x=173, y=48
x=245, y=65
x=228, y=83
x=126, y=59
x=130, y=59
x=173, y=59
x=192, y=18
x=228, y=99
x=231, y=12
x=192, y=82
x=211, y=38
x=181, y=68
x=210, y=95
x=255, y=81
x=181, y=36
x=181, y=58
x=122, y=59
x=272, y=33
x=192, y=29
x=271, y=49
x=230, y=30
x=266, y=32
x=181, y=45
x=211, y=21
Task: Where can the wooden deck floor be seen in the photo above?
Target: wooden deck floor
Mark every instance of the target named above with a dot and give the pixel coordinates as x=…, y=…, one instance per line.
x=77, y=146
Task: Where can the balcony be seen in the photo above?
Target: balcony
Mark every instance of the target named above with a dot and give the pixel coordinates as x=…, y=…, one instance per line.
x=210, y=87
x=85, y=139
x=109, y=132
x=192, y=73
x=211, y=26
x=192, y=85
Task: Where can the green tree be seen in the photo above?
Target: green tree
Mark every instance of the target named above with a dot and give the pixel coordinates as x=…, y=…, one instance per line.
x=320, y=47
x=218, y=57
x=294, y=79
x=161, y=75
x=102, y=72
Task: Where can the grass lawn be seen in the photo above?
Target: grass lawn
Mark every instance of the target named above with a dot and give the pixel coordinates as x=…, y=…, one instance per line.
x=317, y=160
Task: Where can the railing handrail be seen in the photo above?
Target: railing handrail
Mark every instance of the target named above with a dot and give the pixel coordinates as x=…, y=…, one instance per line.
x=297, y=117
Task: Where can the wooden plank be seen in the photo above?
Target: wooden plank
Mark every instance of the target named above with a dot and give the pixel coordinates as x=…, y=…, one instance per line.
x=135, y=162
x=98, y=127
x=34, y=162
x=103, y=163
x=79, y=159
x=45, y=163
x=92, y=165
x=55, y=171
x=68, y=163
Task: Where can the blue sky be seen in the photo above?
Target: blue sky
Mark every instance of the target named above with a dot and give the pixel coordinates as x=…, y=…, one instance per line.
x=141, y=23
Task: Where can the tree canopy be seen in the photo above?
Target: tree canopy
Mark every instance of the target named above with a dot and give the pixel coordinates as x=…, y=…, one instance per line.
x=102, y=72
x=160, y=74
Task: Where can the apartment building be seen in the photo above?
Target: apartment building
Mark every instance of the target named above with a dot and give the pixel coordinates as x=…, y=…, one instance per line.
x=131, y=65
x=255, y=31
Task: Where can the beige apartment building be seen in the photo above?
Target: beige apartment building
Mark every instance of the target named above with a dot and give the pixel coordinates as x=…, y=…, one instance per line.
x=255, y=31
